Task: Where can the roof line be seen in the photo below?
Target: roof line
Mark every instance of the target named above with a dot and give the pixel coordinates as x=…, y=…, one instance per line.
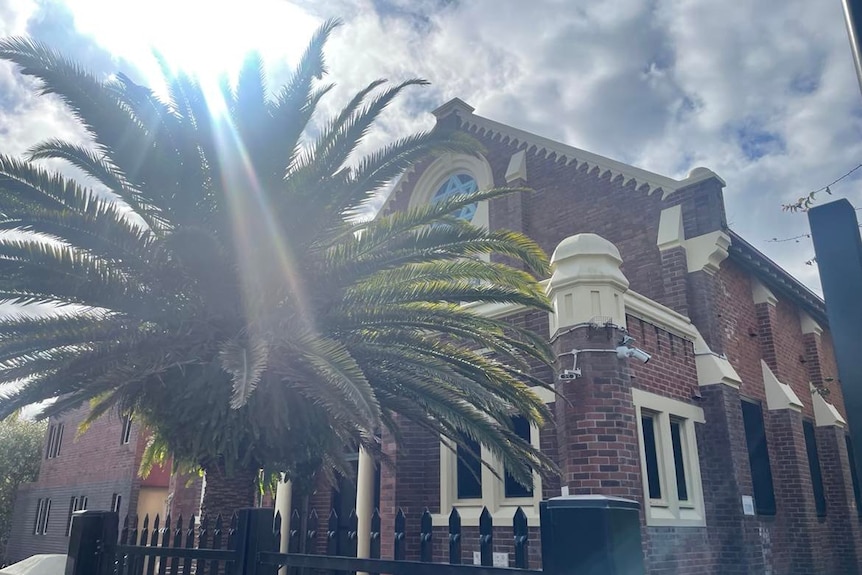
x=528, y=141
x=776, y=277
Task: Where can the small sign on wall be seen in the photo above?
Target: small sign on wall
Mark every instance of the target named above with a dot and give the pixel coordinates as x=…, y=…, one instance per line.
x=499, y=559
x=747, y=505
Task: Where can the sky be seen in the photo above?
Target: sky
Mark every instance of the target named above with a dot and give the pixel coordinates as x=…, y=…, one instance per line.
x=763, y=92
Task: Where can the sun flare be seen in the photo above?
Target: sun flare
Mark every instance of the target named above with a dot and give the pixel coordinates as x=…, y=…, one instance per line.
x=206, y=39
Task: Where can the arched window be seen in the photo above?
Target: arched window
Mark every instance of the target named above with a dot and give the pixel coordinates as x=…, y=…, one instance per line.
x=458, y=184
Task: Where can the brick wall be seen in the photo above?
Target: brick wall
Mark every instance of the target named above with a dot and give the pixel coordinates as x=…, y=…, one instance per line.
x=671, y=372
x=583, y=199
x=93, y=456
x=95, y=464
x=24, y=543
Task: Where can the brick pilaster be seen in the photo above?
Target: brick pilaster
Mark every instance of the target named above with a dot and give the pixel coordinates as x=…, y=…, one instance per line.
x=766, y=325
x=674, y=275
x=726, y=478
x=794, y=498
x=702, y=288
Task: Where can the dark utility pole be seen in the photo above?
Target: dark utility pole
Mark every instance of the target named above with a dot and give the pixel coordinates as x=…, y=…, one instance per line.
x=853, y=17
x=838, y=249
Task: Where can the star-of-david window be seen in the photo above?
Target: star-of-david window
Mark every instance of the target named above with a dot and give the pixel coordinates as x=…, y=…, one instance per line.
x=456, y=185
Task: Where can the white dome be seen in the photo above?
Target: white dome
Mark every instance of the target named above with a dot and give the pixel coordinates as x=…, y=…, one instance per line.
x=585, y=245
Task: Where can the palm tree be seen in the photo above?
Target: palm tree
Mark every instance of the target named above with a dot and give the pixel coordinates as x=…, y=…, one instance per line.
x=210, y=274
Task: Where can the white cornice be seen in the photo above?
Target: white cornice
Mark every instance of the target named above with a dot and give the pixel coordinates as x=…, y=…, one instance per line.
x=544, y=146
x=636, y=305
x=642, y=307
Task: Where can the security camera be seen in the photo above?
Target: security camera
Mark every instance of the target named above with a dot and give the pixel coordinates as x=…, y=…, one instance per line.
x=569, y=374
x=623, y=352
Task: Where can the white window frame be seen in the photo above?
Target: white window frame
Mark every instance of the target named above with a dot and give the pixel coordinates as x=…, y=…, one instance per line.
x=55, y=440
x=40, y=508
x=669, y=510
x=43, y=516
x=76, y=503
x=116, y=502
x=127, y=430
x=501, y=508
x=448, y=165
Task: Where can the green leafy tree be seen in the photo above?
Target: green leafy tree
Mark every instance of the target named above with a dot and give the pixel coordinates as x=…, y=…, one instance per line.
x=211, y=276
x=20, y=455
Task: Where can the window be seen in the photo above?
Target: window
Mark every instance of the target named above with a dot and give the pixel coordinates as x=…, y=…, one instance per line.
x=78, y=503
x=511, y=488
x=127, y=430
x=55, y=440
x=468, y=471
x=472, y=481
x=52, y=437
x=43, y=514
x=452, y=174
x=677, y=429
x=669, y=460
x=116, y=501
x=814, y=467
x=458, y=184
x=853, y=475
x=648, y=425
x=758, y=458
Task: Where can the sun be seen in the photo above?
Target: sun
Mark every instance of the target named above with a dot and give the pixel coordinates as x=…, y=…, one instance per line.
x=204, y=38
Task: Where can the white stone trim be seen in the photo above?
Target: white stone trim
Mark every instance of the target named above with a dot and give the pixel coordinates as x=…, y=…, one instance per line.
x=545, y=394
x=655, y=402
x=642, y=307
x=587, y=283
x=706, y=252
x=571, y=154
x=669, y=510
x=762, y=294
x=446, y=165
x=713, y=368
x=502, y=509
x=825, y=414
x=778, y=395
x=808, y=325
x=517, y=169
x=670, y=230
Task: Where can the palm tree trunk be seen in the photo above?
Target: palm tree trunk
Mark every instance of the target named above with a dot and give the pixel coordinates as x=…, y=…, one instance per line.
x=225, y=493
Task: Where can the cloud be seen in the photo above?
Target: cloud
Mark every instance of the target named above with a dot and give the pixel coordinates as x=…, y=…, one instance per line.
x=764, y=94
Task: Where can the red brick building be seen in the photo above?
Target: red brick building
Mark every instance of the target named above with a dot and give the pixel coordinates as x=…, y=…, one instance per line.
x=97, y=469
x=732, y=437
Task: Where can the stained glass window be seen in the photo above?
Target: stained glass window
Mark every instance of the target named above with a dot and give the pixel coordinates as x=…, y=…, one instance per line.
x=454, y=185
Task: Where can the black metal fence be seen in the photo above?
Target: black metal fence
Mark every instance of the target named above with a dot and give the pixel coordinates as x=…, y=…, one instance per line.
x=248, y=544
x=341, y=552
x=174, y=549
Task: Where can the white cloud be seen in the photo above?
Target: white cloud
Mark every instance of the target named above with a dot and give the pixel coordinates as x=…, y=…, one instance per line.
x=764, y=92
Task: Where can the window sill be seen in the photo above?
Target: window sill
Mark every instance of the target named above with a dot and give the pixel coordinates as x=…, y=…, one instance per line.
x=665, y=517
